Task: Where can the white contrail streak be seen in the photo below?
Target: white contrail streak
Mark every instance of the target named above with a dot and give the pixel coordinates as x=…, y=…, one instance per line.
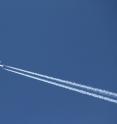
x=96, y=90
x=66, y=87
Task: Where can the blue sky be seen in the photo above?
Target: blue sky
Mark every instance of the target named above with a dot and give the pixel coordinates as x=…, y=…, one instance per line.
x=72, y=40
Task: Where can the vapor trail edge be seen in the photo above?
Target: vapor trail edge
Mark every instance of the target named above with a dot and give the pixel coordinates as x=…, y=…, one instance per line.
x=85, y=87
x=66, y=87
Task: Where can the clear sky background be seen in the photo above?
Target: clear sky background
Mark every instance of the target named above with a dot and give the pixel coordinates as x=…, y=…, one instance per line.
x=74, y=40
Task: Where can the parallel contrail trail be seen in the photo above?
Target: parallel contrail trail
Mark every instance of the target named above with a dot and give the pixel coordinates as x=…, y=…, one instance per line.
x=84, y=87
x=65, y=86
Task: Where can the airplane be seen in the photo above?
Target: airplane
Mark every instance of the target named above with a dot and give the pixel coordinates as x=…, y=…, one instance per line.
x=1, y=65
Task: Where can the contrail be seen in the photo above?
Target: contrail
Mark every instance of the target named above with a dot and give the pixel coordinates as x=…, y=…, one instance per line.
x=84, y=87
x=65, y=86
